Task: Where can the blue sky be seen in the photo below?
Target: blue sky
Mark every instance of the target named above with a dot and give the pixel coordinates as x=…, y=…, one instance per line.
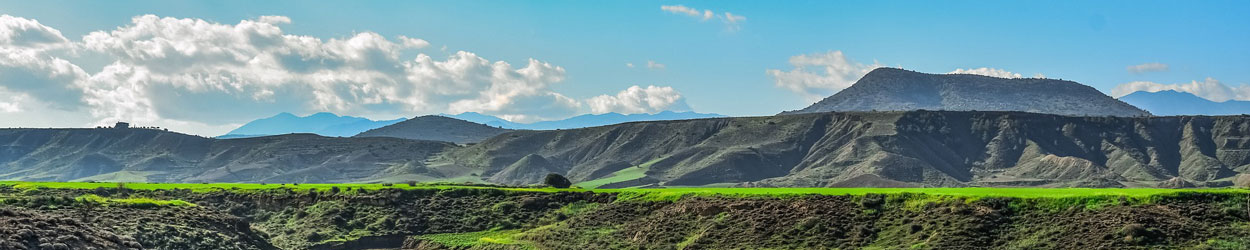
x=711, y=65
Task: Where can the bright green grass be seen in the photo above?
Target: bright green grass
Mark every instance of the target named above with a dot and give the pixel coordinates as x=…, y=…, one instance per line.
x=460, y=240
x=627, y=174
x=137, y=202
x=209, y=187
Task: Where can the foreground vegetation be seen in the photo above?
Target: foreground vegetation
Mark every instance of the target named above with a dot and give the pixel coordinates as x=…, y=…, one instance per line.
x=462, y=216
x=647, y=194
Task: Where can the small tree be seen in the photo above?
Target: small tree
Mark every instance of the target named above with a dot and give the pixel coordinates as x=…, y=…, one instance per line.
x=557, y=181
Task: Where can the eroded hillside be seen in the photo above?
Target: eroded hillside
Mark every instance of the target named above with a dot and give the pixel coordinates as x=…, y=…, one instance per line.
x=144, y=155
x=921, y=148
x=864, y=149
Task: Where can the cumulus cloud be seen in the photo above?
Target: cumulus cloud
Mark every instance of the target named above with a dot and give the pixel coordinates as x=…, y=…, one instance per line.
x=1210, y=89
x=1000, y=73
x=26, y=67
x=818, y=75
x=414, y=42
x=194, y=73
x=635, y=99
x=21, y=33
x=11, y=102
x=655, y=65
x=732, y=22
x=1147, y=67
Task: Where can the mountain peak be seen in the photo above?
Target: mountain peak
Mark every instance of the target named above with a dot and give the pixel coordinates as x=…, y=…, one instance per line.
x=893, y=89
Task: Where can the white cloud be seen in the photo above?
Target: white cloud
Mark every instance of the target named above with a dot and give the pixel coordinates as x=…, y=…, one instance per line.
x=173, y=67
x=275, y=20
x=635, y=99
x=732, y=22
x=629, y=65
x=818, y=75
x=655, y=65
x=27, y=68
x=11, y=102
x=203, y=77
x=680, y=9
x=414, y=42
x=1209, y=89
x=1000, y=73
x=1147, y=67
x=20, y=33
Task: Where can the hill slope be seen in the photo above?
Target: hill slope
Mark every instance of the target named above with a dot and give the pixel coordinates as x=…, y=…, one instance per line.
x=436, y=128
x=919, y=148
x=879, y=149
x=890, y=89
x=326, y=124
x=141, y=155
x=1181, y=103
x=581, y=121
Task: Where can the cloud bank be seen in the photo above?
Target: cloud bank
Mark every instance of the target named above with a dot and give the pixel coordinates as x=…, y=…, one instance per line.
x=818, y=75
x=1210, y=89
x=635, y=99
x=1000, y=73
x=194, y=73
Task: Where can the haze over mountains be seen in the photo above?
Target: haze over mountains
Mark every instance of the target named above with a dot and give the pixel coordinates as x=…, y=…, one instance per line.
x=326, y=124
x=582, y=121
x=1170, y=102
x=891, y=89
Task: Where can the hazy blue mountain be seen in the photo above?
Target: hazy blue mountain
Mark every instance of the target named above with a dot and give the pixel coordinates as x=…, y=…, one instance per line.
x=1180, y=103
x=326, y=124
x=581, y=121
x=436, y=128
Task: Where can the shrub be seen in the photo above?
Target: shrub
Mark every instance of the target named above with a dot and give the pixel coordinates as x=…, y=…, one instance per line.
x=557, y=181
x=412, y=183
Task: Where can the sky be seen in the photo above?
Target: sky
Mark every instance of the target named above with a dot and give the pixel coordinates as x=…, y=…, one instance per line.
x=206, y=67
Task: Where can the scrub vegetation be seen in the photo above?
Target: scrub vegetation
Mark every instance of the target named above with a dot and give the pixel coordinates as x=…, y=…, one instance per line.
x=449, y=216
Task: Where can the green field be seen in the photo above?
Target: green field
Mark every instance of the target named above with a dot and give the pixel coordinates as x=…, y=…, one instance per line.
x=650, y=194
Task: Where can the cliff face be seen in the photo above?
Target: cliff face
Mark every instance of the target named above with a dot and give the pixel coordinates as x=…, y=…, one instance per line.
x=156, y=156
x=890, y=89
x=890, y=149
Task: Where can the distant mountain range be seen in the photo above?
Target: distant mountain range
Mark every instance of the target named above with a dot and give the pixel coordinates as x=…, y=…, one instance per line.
x=436, y=128
x=891, y=89
x=1170, y=102
x=326, y=124
x=581, y=121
